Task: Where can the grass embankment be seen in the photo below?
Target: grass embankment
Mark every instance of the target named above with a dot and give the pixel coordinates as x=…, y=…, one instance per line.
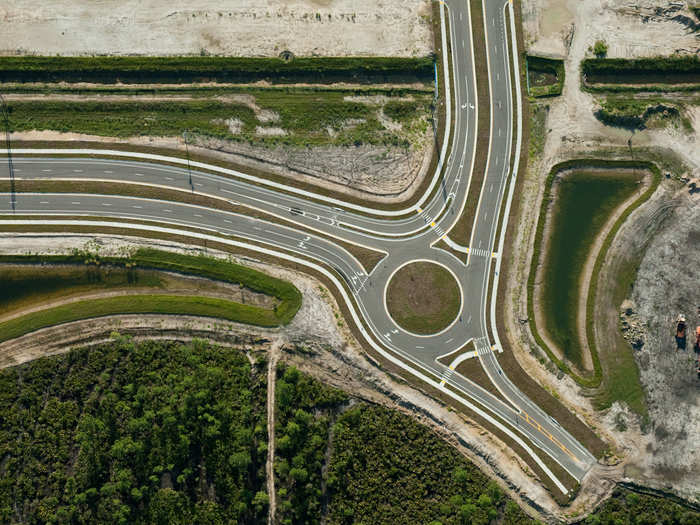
x=301, y=118
x=423, y=298
x=545, y=76
x=623, y=378
x=162, y=303
x=674, y=73
x=133, y=69
x=633, y=114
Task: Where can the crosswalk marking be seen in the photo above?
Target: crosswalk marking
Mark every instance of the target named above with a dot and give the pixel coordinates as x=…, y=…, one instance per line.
x=446, y=376
x=481, y=252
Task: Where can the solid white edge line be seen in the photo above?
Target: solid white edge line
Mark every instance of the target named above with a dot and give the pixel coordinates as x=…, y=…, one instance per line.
x=346, y=298
x=277, y=185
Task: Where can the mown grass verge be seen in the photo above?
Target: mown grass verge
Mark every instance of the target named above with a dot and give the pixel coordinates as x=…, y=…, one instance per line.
x=545, y=76
x=284, y=311
x=186, y=69
x=138, y=304
x=596, y=379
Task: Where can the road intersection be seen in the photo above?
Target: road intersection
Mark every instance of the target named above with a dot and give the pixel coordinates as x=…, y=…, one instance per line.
x=404, y=236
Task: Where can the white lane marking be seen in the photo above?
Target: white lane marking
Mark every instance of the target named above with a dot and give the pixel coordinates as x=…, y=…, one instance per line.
x=139, y=174
x=106, y=204
x=491, y=188
x=169, y=178
x=197, y=215
x=43, y=202
x=77, y=171
x=198, y=184
x=46, y=171
x=107, y=171
x=138, y=207
x=228, y=221
x=75, y=202
x=167, y=211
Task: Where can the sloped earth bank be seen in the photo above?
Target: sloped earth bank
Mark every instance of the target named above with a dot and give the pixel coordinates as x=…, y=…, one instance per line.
x=315, y=341
x=378, y=173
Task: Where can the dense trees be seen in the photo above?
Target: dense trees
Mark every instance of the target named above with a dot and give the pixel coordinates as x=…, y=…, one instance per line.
x=166, y=433
x=302, y=424
x=124, y=433
x=386, y=468
x=625, y=507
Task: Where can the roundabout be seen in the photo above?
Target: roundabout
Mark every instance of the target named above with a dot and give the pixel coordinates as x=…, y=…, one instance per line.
x=423, y=298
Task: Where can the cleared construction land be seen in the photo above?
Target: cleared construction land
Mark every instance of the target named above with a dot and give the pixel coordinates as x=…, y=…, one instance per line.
x=241, y=28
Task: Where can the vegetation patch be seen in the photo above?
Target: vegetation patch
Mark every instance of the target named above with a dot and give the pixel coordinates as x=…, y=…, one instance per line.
x=636, y=114
x=122, y=433
x=307, y=118
x=628, y=506
x=633, y=389
x=304, y=414
x=126, y=273
x=423, y=298
x=545, y=76
x=641, y=74
x=187, y=69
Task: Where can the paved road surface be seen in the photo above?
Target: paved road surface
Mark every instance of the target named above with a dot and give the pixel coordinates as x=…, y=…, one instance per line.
x=403, y=240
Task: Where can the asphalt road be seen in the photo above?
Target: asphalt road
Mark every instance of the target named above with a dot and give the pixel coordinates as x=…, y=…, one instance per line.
x=403, y=240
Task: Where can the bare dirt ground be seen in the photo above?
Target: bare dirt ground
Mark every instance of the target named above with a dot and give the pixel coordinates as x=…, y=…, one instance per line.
x=241, y=28
x=317, y=341
x=666, y=284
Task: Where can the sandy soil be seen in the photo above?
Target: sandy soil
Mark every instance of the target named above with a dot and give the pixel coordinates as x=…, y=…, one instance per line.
x=667, y=284
x=631, y=29
x=240, y=28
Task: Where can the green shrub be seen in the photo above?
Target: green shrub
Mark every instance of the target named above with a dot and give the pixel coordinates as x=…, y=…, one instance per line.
x=600, y=49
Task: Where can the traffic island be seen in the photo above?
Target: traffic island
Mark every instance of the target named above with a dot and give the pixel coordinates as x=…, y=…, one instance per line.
x=423, y=298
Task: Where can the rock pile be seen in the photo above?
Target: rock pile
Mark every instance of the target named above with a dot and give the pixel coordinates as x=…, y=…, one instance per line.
x=634, y=330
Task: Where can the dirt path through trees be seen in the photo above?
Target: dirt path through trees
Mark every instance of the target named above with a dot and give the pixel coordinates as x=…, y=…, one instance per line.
x=270, y=466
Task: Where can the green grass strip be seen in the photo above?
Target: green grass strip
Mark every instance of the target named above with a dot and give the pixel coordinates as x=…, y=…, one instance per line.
x=597, y=377
x=289, y=296
x=138, y=304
